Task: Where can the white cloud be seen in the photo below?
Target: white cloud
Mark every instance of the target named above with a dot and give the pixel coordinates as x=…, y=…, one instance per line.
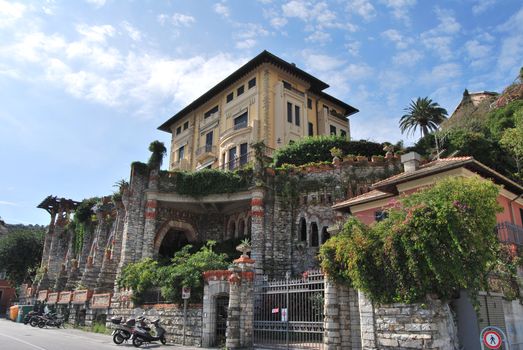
x=440, y=38
x=181, y=20
x=245, y=44
x=476, y=50
x=363, y=8
x=407, y=58
x=96, y=33
x=353, y=47
x=400, y=8
x=482, y=5
x=319, y=37
x=321, y=63
x=97, y=3
x=295, y=8
x=13, y=204
x=397, y=38
x=10, y=12
x=133, y=33
x=441, y=73
x=511, y=52
x=278, y=22
x=355, y=72
x=222, y=9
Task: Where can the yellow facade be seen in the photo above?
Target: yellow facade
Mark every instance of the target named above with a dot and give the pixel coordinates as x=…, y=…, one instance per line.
x=268, y=103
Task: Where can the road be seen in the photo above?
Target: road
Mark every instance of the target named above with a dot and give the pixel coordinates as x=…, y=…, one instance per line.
x=17, y=336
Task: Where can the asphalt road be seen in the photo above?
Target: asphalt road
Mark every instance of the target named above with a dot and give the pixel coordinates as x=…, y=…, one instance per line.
x=17, y=336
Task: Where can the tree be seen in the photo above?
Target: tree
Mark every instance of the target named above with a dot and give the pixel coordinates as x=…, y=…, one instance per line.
x=512, y=140
x=423, y=114
x=158, y=151
x=21, y=252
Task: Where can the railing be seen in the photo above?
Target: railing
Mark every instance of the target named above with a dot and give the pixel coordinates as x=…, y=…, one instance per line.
x=510, y=233
x=206, y=149
x=238, y=126
x=238, y=162
x=180, y=164
x=154, y=296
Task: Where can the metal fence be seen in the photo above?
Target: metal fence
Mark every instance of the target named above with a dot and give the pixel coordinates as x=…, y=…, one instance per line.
x=510, y=233
x=288, y=314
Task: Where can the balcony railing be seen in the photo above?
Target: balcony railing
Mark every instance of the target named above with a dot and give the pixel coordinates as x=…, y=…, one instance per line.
x=206, y=149
x=510, y=233
x=238, y=126
x=238, y=162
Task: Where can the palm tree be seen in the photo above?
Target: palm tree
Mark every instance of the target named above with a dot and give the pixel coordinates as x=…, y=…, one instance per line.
x=425, y=114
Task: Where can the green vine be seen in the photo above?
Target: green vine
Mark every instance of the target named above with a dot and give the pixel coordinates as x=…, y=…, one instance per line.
x=436, y=241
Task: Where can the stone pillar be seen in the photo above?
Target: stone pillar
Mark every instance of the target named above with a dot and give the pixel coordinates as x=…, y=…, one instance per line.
x=331, y=320
x=233, y=314
x=240, y=317
x=149, y=231
x=258, y=228
x=48, y=239
x=133, y=198
x=367, y=323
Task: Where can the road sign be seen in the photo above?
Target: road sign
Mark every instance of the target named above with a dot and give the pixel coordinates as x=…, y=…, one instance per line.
x=492, y=339
x=284, y=315
x=186, y=292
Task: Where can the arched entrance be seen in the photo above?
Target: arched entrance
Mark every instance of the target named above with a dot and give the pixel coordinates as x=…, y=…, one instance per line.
x=222, y=306
x=173, y=241
x=171, y=237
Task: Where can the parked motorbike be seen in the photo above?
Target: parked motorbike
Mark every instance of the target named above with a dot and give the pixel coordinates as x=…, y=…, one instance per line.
x=51, y=320
x=29, y=316
x=123, y=330
x=142, y=334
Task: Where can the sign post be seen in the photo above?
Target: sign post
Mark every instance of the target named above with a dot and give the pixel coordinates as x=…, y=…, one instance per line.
x=492, y=338
x=186, y=294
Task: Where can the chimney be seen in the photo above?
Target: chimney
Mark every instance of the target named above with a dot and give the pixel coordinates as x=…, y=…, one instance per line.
x=410, y=161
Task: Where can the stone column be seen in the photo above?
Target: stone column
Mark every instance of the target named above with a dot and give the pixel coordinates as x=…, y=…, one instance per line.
x=134, y=217
x=367, y=323
x=258, y=228
x=149, y=231
x=331, y=320
x=240, y=317
x=48, y=239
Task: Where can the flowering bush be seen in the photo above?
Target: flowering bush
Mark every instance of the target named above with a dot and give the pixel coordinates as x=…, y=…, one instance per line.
x=437, y=241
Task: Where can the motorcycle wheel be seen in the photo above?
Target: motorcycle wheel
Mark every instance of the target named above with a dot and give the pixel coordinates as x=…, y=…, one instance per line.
x=137, y=342
x=41, y=324
x=33, y=322
x=163, y=340
x=118, y=338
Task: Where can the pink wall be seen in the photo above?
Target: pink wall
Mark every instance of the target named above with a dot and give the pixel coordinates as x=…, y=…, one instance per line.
x=8, y=294
x=368, y=216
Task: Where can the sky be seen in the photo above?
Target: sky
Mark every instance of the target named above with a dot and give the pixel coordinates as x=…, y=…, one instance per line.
x=85, y=84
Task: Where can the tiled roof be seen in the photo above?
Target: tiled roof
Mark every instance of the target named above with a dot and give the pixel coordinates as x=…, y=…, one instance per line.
x=387, y=187
x=362, y=198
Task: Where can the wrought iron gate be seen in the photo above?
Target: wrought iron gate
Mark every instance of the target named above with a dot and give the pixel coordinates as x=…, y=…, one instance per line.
x=288, y=314
x=222, y=304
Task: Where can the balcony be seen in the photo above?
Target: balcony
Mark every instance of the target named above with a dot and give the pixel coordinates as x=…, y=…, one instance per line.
x=181, y=164
x=510, y=233
x=205, y=149
x=213, y=118
x=238, y=162
x=236, y=127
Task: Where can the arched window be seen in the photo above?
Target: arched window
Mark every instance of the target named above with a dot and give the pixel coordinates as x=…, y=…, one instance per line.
x=315, y=239
x=249, y=227
x=241, y=228
x=325, y=235
x=303, y=230
x=232, y=230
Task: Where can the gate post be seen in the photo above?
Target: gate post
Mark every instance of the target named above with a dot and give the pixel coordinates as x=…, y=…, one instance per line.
x=241, y=304
x=331, y=321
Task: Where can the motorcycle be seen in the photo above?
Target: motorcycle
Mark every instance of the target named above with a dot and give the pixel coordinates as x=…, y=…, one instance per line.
x=51, y=320
x=123, y=330
x=29, y=316
x=142, y=335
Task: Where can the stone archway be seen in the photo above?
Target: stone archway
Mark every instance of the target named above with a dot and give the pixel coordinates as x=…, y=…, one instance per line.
x=172, y=235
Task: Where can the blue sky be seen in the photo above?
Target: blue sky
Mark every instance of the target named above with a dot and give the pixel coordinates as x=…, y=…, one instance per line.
x=84, y=84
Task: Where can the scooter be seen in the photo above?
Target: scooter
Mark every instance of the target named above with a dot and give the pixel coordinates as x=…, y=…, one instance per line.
x=142, y=335
x=123, y=331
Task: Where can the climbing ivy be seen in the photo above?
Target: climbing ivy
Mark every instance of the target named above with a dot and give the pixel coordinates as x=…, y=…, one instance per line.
x=436, y=241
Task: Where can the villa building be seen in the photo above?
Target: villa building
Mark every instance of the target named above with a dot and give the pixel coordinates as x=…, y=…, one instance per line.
x=266, y=99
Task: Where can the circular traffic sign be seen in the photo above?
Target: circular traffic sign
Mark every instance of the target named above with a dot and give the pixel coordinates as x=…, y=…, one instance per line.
x=492, y=339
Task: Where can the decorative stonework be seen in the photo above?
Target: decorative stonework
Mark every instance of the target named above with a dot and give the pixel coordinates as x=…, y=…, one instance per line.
x=101, y=301
x=65, y=297
x=81, y=296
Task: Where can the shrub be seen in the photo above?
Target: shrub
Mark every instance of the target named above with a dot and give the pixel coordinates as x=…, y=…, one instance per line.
x=441, y=240
x=318, y=149
x=209, y=181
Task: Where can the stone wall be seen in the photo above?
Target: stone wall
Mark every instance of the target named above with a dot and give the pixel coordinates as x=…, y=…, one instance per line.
x=414, y=326
x=171, y=318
